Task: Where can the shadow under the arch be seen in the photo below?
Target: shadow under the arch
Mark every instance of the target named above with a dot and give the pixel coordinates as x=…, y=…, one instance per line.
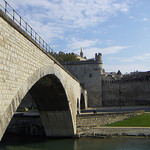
x=49, y=94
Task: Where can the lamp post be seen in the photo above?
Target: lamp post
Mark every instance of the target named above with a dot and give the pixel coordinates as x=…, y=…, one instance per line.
x=120, y=94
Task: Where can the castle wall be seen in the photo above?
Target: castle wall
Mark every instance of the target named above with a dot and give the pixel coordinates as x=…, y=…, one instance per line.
x=89, y=75
x=126, y=93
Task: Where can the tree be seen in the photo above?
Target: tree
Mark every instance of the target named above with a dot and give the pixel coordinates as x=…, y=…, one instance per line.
x=65, y=57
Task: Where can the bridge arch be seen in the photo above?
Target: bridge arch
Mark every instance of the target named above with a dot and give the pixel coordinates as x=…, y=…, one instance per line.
x=24, y=63
x=54, y=98
x=53, y=106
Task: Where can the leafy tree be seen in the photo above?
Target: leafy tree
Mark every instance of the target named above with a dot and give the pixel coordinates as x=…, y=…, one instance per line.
x=65, y=57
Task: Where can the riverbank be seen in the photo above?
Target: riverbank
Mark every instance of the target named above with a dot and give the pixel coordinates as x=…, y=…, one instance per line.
x=102, y=132
x=88, y=125
x=92, y=125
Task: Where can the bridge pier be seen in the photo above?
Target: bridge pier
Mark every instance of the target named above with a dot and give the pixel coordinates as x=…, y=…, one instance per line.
x=57, y=123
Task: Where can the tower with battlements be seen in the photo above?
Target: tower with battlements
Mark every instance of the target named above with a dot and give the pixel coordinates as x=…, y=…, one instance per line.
x=88, y=72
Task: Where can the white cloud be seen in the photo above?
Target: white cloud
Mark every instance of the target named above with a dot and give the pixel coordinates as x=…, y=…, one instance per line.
x=144, y=57
x=53, y=18
x=113, y=49
x=71, y=13
x=131, y=17
x=77, y=43
x=123, y=7
x=48, y=31
x=90, y=52
x=144, y=19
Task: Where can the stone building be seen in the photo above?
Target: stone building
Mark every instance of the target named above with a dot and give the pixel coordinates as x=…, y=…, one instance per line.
x=88, y=72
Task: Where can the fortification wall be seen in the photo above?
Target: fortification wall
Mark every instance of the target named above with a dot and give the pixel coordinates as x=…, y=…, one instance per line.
x=126, y=93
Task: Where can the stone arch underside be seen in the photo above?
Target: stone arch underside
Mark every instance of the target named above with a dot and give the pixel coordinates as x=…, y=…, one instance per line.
x=56, y=114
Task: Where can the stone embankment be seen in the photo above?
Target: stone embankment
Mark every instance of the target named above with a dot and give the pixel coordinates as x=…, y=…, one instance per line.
x=93, y=125
x=100, y=119
x=117, y=131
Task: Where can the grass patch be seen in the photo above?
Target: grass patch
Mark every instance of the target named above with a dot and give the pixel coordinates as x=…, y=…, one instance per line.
x=137, y=121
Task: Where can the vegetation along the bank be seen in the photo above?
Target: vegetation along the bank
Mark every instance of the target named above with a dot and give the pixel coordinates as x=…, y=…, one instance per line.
x=137, y=121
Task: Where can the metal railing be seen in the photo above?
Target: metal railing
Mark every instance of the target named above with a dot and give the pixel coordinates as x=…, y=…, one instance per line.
x=7, y=9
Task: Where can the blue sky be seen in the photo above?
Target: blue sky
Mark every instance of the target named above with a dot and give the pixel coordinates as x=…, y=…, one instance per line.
x=119, y=29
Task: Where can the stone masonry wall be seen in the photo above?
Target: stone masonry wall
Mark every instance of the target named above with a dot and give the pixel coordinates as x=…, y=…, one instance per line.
x=91, y=120
x=19, y=59
x=118, y=131
x=126, y=93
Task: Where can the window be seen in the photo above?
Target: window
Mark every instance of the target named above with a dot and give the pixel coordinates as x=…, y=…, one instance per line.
x=90, y=75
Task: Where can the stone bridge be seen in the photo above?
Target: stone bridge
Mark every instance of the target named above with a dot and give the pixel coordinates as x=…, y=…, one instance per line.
x=26, y=67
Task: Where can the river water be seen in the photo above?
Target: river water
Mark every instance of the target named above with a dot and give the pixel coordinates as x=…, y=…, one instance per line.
x=42, y=143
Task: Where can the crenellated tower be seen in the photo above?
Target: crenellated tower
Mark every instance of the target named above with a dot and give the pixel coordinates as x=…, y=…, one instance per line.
x=98, y=59
x=89, y=73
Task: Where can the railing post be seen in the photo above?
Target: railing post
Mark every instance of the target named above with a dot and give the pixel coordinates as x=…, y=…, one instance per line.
x=31, y=32
x=26, y=28
x=13, y=15
x=43, y=43
x=5, y=6
x=20, y=21
x=39, y=40
x=46, y=47
x=35, y=35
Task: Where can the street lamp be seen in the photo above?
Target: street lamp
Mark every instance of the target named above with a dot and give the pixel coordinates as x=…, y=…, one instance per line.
x=120, y=94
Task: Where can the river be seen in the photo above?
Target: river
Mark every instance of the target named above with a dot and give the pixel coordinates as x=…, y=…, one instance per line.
x=13, y=142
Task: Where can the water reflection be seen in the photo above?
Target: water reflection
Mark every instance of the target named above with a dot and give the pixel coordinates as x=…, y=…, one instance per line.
x=41, y=143
x=118, y=143
x=13, y=142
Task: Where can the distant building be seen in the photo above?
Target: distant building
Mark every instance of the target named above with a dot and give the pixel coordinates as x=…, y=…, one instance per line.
x=81, y=56
x=88, y=72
